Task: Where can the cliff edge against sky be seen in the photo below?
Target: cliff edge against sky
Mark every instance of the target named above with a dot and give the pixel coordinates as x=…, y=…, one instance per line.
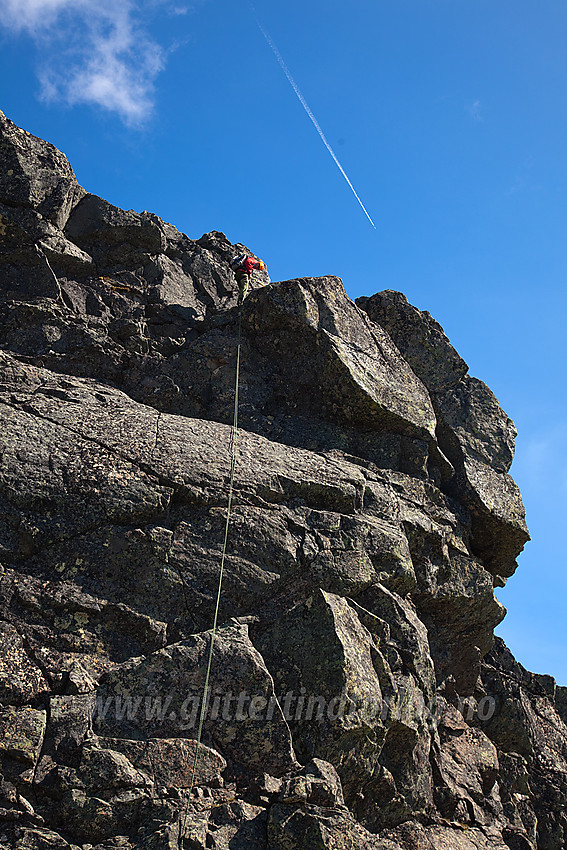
x=359, y=698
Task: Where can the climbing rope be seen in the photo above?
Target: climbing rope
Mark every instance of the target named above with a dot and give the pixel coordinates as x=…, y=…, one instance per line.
x=234, y=436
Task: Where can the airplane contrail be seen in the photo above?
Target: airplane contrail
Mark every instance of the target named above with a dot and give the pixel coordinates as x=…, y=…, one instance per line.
x=316, y=124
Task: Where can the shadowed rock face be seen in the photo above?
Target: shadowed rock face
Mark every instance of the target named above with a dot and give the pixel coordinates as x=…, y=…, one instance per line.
x=358, y=699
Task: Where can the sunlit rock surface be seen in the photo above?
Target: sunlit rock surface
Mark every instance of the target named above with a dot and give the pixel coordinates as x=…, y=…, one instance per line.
x=357, y=696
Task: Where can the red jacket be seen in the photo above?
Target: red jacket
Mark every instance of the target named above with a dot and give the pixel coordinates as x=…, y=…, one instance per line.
x=249, y=264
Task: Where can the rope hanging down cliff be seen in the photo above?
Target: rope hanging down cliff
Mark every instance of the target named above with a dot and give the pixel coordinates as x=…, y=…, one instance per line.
x=243, y=267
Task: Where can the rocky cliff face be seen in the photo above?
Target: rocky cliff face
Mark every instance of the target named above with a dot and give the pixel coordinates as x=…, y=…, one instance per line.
x=358, y=697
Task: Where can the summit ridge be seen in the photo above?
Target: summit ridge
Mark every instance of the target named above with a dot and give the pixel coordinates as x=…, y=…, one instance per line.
x=359, y=697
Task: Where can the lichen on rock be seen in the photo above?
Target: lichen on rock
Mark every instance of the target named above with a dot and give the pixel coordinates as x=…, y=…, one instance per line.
x=358, y=698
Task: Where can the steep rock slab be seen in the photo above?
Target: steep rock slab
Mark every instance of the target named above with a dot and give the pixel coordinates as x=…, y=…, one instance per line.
x=472, y=430
x=312, y=520
x=189, y=454
x=471, y=412
x=321, y=518
x=451, y=589
x=394, y=621
x=532, y=742
x=313, y=374
x=334, y=671
x=359, y=376
x=499, y=530
x=467, y=765
x=419, y=338
x=35, y=174
x=38, y=191
x=86, y=549
x=164, y=691
x=47, y=470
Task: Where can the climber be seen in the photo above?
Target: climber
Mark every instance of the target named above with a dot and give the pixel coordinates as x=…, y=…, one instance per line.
x=243, y=266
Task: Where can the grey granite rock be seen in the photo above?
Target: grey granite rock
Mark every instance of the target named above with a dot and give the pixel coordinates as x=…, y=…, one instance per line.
x=357, y=695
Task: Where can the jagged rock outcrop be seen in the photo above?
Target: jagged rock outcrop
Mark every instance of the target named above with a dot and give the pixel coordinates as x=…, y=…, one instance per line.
x=358, y=699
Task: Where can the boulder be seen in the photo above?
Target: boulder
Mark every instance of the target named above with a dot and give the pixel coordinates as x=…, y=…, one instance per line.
x=34, y=174
x=357, y=695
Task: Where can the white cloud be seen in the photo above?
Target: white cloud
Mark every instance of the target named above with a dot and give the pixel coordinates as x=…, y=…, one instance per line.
x=32, y=15
x=94, y=52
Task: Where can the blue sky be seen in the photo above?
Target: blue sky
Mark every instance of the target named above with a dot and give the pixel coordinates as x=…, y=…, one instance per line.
x=448, y=116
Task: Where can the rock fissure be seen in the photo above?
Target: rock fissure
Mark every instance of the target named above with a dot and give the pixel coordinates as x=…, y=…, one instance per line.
x=102, y=444
x=358, y=696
